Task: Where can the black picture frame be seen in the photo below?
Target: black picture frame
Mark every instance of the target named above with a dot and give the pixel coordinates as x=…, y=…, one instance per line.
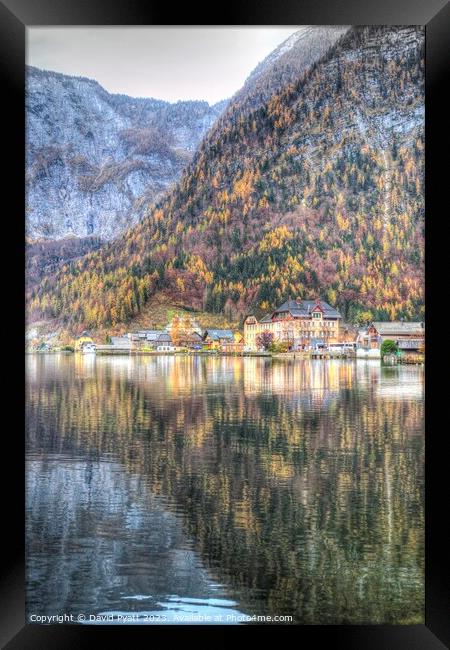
x=15, y=16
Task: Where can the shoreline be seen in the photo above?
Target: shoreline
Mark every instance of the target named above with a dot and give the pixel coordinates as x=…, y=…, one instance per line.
x=286, y=356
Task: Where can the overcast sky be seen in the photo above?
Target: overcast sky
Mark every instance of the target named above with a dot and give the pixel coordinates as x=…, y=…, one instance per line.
x=168, y=63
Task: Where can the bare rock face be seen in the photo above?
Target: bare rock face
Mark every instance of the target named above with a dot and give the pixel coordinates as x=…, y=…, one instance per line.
x=94, y=159
x=289, y=61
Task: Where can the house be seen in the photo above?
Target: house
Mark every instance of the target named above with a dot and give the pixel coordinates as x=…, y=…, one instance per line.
x=409, y=336
x=184, y=331
x=214, y=338
x=148, y=338
x=363, y=339
x=166, y=347
x=348, y=335
x=191, y=340
x=151, y=336
x=299, y=323
x=233, y=346
x=142, y=335
x=163, y=338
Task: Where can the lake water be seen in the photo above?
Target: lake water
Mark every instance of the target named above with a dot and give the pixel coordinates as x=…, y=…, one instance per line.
x=186, y=489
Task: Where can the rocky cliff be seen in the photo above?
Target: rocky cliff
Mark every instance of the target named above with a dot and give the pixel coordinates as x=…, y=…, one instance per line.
x=94, y=159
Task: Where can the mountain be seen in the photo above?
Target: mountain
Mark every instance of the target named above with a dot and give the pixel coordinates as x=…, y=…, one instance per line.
x=286, y=63
x=94, y=159
x=318, y=190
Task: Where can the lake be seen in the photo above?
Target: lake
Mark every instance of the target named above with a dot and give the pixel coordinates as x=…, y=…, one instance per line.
x=200, y=489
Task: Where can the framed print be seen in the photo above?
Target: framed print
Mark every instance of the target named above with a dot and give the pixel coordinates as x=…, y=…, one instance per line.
x=231, y=237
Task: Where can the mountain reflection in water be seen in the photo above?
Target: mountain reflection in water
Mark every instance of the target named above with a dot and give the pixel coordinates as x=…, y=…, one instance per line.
x=225, y=485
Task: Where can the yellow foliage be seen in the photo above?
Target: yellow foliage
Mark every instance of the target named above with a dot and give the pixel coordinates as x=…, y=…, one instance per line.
x=243, y=187
x=275, y=238
x=342, y=222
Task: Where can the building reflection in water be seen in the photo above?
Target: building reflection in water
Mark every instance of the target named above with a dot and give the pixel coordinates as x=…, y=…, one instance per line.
x=296, y=486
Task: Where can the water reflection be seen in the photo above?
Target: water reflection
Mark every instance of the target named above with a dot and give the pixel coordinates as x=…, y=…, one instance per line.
x=110, y=535
x=290, y=488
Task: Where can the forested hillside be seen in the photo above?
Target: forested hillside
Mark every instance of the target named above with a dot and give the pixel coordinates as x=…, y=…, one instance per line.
x=45, y=256
x=317, y=191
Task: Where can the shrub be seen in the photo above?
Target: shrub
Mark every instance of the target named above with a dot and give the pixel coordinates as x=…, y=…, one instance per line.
x=388, y=347
x=278, y=346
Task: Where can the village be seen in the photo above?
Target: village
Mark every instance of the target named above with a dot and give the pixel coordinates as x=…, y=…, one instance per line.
x=297, y=328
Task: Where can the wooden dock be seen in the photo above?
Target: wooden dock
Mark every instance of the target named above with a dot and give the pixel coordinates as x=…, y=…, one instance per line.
x=314, y=354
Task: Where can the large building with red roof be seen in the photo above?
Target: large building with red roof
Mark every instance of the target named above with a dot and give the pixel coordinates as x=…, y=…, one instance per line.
x=299, y=323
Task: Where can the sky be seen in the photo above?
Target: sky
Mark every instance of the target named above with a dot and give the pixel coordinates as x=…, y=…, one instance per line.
x=170, y=63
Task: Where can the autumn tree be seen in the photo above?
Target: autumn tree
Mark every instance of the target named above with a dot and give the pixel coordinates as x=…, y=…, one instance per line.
x=264, y=339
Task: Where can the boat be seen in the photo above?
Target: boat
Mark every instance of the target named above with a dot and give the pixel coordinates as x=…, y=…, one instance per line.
x=368, y=353
x=89, y=348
